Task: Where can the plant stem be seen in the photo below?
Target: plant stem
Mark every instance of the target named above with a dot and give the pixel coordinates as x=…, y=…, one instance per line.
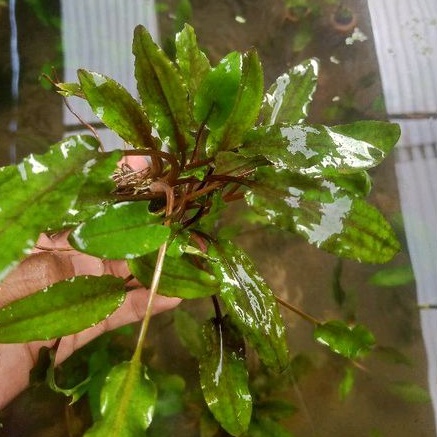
x=296, y=310
x=153, y=291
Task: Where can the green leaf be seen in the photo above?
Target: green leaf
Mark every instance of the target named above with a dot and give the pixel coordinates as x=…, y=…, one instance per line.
x=234, y=164
x=324, y=214
x=170, y=390
x=349, y=341
x=36, y=194
x=347, y=383
x=218, y=92
x=162, y=92
x=123, y=230
x=61, y=309
x=393, y=276
x=179, y=278
x=250, y=303
x=410, y=392
x=113, y=104
x=189, y=332
x=224, y=377
x=193, y=63
x=288, y=99
x=263, y=426
x=246, y=107
x=322, y=150
x=127, y=402
x=70, y=89
x=98, y=190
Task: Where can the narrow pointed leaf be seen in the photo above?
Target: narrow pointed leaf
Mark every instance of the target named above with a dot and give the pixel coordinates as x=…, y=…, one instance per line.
x=179, y=278
x=193, y=63
x=246, y=107
x=224, y=377
x=63, y=308
x=250, y=303
x=70, y=89
x=218, y=92
x=123, y=230
x=113, y=104
x=36, y=194
x=410, y=392
x=349, y=341
x=324, y=214
x=318, y=149
x=162, y=92
x=127, y=402
x=288, y=99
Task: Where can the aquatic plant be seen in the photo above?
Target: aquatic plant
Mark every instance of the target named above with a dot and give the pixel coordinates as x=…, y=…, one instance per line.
x=212, y=136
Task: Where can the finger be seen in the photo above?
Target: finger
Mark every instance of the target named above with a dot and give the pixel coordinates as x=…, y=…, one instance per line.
x=36, y=272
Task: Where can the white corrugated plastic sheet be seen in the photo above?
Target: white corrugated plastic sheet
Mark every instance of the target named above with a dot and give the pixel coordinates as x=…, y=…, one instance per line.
x=405, y=33
x=97, y=35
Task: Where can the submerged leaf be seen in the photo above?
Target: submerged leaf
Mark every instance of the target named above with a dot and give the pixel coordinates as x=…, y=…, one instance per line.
x=189, y=332
x=36, y=194
x=179, y=278
x=250, y=303
x=393, y=277
x=324, y=214
x=113, y=104
x=349, y=341
x=124, y=230
x=288, y=99
x=323, y=150
x=61, y=309
x=127, y=400
x=162, y=92
x=410, y=392
x=224, y=377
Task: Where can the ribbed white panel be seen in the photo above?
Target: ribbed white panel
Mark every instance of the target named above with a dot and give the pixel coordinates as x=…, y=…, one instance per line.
x=97, y=35
x=405, y=35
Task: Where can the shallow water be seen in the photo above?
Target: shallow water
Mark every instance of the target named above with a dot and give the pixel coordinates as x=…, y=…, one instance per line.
x=349, y=89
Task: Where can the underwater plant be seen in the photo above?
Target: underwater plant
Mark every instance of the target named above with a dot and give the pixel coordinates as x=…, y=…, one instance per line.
x=211, y=136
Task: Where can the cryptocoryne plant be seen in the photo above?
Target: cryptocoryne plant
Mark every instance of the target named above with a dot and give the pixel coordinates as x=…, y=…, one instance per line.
x=211, y=136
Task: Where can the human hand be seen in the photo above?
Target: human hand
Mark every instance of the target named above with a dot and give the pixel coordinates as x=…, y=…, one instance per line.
x=58, y=261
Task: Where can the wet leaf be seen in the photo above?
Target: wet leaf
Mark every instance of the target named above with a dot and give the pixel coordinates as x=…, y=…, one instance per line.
x=324, y=214
x=224, y=377
x=193, y=63
x=250, y=303
x=162, y=92
x=127, y=402
x=393, y=276
x=218, y=92
x=189, y=332
x=347, y=383
x=234, y=164
x=246, y=107
x=61, y=309
x=349, y=341
x=98, y=190
x=36, y=194
x=123, y=230
x=179, y=278
x=113, y=104
x=288, y=99
x=410, y=392
x=323, y=150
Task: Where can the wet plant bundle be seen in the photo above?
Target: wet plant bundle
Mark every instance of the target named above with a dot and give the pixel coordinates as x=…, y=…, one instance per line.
x=211, y=136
